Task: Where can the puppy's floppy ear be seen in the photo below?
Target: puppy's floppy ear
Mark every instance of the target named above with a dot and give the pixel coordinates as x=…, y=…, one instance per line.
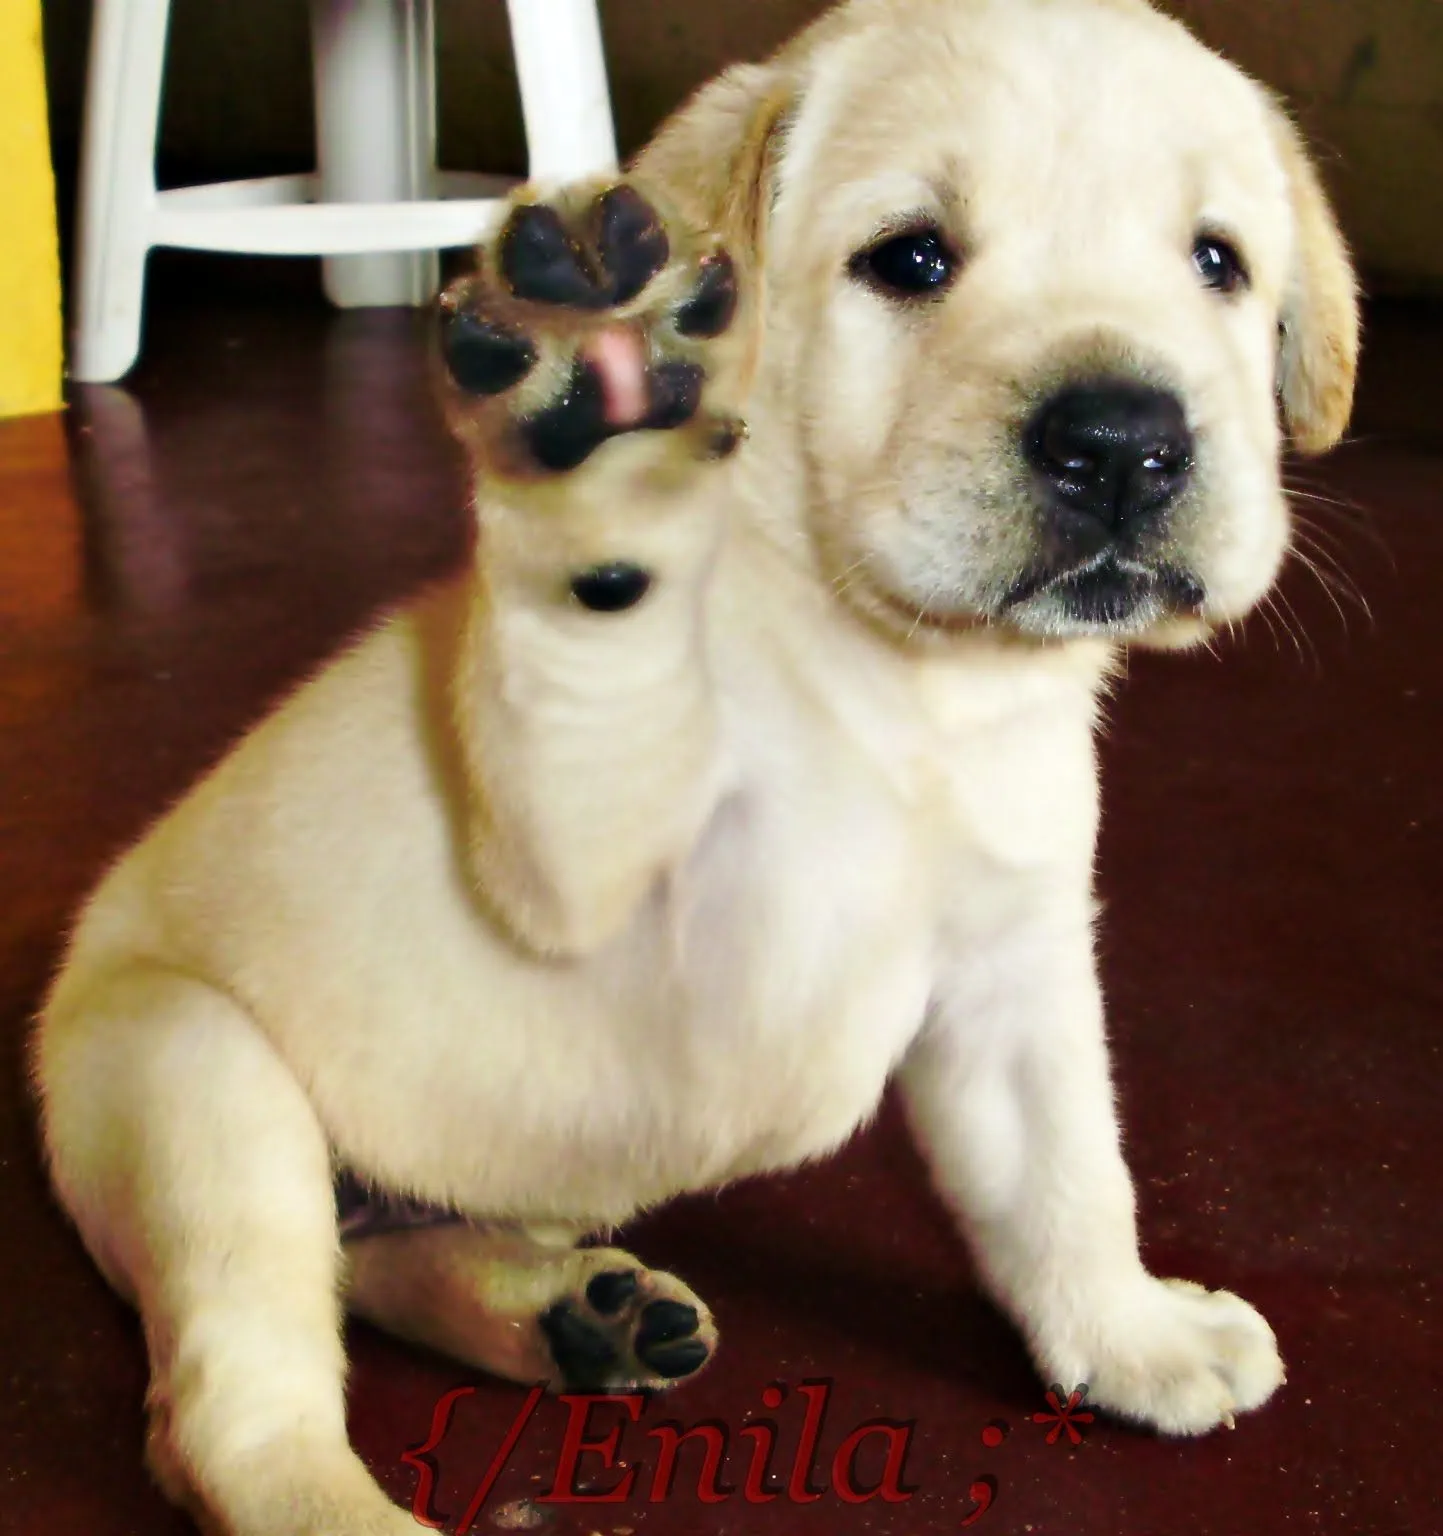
x=1319, y=323
x=715, y=159
x=715, y=162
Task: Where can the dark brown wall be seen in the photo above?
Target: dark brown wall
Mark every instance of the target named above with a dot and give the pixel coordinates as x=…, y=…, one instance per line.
x=1366, y=77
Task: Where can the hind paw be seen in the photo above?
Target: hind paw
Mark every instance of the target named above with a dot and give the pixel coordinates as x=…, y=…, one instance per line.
x=627, y=1329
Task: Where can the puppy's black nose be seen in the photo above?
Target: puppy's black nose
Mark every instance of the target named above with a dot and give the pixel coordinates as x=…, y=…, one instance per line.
x=1114, y=450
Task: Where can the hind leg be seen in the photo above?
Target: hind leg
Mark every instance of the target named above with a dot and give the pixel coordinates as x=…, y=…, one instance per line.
x=519, y=1306
x=195, y=1169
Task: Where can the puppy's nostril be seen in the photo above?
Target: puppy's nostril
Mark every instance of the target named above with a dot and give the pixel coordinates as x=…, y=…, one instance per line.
x=1058, y=442
x=1169, y=458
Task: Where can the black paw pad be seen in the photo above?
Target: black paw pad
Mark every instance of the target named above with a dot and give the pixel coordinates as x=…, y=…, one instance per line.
x=610, y=589
x=631, y=242
x=663, y=1322
x=675, y=395
x=610, y=1291
x=664, y=1342
x=709, y=311
x=482, y=358
x=566, y=433
x=726, y=437
x=674, y=1360
x=580, y=1350
x=541, y=261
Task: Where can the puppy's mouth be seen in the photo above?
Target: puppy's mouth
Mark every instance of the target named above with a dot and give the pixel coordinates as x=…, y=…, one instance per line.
x=1111, y=593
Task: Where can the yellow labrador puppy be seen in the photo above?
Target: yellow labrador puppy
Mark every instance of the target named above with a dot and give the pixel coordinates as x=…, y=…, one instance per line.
x=747, y=766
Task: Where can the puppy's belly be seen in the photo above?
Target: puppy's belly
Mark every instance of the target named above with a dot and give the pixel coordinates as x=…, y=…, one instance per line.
x=747, y=1020
x=589, y=1092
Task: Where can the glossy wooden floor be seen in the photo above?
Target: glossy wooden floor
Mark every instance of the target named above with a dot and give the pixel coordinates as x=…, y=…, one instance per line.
x=173, y=555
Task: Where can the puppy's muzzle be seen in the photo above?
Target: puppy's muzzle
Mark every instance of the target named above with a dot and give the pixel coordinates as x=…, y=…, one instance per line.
x=1112, y=456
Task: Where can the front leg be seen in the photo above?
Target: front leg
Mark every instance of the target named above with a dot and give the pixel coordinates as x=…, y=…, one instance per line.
x=1010, y=1093
x=583, y=360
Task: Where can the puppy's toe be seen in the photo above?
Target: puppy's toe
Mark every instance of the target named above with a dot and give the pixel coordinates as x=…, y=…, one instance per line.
x=1181, y=1359
x=585, y=1356
x=482, y=357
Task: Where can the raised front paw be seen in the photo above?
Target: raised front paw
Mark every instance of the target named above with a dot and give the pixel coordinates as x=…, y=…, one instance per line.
x=589, y=317
x=1177, y=1357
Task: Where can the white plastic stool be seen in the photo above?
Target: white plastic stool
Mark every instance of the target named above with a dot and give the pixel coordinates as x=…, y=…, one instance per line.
x=377, y=208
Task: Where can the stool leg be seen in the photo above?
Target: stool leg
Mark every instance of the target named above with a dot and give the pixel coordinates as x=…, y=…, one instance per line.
x=376, y=133
x=565, y=101
x=117, y=185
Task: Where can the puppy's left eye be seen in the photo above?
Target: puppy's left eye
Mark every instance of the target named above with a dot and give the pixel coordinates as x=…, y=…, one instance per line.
x=915, y=265
x=1218, y=264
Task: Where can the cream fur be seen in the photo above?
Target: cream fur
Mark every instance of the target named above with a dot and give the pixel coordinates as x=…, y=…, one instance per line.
x=555, y=915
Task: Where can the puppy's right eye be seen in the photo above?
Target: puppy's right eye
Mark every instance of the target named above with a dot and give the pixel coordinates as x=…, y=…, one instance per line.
x=916, y=265
x=1218, y=264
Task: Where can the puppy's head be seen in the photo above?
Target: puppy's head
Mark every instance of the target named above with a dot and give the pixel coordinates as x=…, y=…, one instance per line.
x=1045, y=282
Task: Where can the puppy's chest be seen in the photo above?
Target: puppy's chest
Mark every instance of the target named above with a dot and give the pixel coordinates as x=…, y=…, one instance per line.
x=803, y=946
x=813, y=919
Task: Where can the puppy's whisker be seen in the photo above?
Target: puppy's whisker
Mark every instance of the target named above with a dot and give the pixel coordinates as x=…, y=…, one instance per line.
x=1267, y=612
x=1318, y=536
x=922, y=611
x=1322, y=551
x=1287, y=621
x=1297, y=631
x=1326, y=495
x=1326, y=566
x=1345, y=511
x=843, y=582
x=1310, y=505
x=1313, y=570
x=1293, y=476
x=1325, y=569
x=1322, y=538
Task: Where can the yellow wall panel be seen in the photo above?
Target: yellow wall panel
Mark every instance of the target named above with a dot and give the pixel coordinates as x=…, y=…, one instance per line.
x=30, y=325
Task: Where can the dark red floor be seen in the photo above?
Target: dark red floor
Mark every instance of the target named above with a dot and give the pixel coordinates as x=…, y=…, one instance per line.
x=173, y=556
